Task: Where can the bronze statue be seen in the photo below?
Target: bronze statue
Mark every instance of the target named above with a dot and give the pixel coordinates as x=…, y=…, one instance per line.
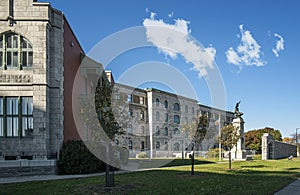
x=237, y=111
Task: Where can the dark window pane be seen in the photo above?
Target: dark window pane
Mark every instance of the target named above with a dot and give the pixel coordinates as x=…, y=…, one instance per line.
x=15, y=41
x=8, y=41
x=24, y=44
x=9, y=126
x=1, y=43
x=8, y=59
x=15, y=59
x=24, y=58
x=30, y=58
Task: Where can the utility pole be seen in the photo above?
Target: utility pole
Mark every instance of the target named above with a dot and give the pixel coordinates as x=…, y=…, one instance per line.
x=297, y=141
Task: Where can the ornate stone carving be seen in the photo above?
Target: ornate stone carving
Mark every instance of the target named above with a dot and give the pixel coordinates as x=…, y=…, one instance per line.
x=6, y=78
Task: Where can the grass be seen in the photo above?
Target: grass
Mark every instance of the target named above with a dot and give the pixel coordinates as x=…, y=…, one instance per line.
x=253, y=177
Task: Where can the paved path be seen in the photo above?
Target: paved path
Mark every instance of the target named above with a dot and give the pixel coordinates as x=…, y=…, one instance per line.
x=291, y=189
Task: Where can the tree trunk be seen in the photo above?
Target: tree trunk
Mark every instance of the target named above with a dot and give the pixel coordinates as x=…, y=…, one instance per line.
x=229, y=159
x=193, y=162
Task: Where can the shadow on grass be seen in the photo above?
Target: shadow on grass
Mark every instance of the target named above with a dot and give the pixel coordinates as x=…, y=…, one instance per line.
x=255, y=166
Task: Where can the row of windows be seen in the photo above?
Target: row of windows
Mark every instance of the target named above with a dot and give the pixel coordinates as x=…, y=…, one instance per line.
x=165, y=132
x=176, y=146
x=15, y=51
x=176, y=106
x=16, y=116
x=176, y=118
x=130, y=130
x=142, y=114
x=130, y=144
x=136, y=99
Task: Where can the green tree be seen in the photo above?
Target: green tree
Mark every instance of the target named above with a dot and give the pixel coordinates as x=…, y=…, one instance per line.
x=228, y=138
x=253, y=137
x=196, y=131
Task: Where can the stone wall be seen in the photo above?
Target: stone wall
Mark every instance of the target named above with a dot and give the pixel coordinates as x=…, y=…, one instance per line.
x=272, y=149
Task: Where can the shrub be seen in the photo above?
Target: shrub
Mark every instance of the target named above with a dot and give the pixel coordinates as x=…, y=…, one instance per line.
x=142, y=155
x=75, y=158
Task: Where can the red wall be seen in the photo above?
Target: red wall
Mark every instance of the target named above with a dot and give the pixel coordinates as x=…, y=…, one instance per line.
x=72, y=60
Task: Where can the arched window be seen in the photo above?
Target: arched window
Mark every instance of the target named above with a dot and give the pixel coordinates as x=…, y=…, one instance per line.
x=130, y=145
x=157, y=102
x=166, y=131
x=176, y=119
x=157, y=145
x=157, y=130
x=176, y=107
x=166, y=104
x=176, y=131
x=142, y=145
x=166, y=117
x=15, y=51
x=166, y=145
x=157, y=116
x=142, y=115
x=176, y=147
x=143, y=130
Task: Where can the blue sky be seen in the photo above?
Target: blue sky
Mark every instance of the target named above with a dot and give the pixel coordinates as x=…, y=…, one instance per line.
x=253, y=44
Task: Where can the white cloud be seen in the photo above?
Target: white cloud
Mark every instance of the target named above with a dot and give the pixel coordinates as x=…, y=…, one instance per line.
x=279, y=45
x=247, y=53
x=170, y=15
x=174, y=39
x=152, y=15
x=147, y=10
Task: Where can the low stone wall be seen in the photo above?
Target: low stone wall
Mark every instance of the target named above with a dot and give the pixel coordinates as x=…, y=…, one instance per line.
x=284, y=150
x=272, y=149
x=23, y=167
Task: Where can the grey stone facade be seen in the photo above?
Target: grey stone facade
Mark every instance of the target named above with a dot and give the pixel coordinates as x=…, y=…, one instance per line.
x=272, y=149
x=159, y=131
x=42, y=26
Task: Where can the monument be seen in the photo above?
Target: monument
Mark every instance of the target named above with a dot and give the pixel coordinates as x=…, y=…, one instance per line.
x=238, y=151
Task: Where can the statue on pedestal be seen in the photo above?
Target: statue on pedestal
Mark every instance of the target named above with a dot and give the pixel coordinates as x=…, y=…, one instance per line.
x=236, y=111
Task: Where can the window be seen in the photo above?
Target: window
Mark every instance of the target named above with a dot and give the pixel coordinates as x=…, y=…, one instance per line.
x=176, y=147
x=130, y=112
x=117, y=141
x=157, y=145
x=186, y=120
x=176, y=131
x=186, y=109
x=27, y=116
x=142, y=100
x=143, y=130
x=130, y=129
x=129, y=98
x=130, y=145
x=166, y=104
x=193, y=110
x=157, y=102
x=142, y=145
x=166, y=131
x=157, y=116
x=176, y=107
x=15, y=51
x=166, y=145
x=16, y=113
x=142, y=115
x=157, y=132
x=176, y=119
x=166, y=117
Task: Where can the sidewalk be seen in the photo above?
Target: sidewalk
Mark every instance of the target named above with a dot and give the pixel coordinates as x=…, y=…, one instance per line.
x=291, y=189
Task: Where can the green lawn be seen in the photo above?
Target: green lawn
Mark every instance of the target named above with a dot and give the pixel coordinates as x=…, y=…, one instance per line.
x=254, y=177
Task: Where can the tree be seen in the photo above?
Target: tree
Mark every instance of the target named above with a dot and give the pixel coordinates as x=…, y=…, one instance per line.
x=288, y=140
x=253, y=137
x=196, y=131
x=228, y=138
x=103, y=106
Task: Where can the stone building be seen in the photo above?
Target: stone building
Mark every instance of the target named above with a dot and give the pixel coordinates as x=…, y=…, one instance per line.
x=153, y=121
x=39, y=56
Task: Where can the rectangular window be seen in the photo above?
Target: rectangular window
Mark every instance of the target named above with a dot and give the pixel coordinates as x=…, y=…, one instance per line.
x=16, y=116
x=27, y=116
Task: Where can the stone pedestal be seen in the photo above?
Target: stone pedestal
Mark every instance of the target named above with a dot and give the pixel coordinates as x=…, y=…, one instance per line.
x=238, y=152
